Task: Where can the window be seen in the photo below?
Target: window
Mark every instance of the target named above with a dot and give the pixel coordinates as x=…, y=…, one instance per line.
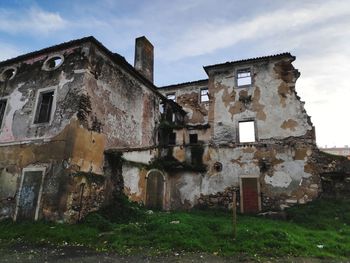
x=204, y=95
x=44, y=107
x=193, y=138
x=171, y=96
x=161, y=108
x=53, y=62
x=8, y=74
x=2, y=110
x=246, y=131
x=244, y=77
x=172, y=138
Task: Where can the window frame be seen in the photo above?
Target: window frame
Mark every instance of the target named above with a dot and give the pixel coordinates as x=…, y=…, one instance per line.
x=207, y=94
x=256, y=139
x=2, y=121
x=170, y=94
x=240, y=70
x=53, y=106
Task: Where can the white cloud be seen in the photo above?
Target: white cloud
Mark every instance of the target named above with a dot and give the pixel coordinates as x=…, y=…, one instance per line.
x=34, y=20
x=8, y=51
x=208, y=37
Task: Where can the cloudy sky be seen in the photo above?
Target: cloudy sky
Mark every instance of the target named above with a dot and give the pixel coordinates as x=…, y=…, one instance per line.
x=188, y=34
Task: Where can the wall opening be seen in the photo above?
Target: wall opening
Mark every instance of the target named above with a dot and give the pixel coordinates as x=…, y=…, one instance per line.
x=30, y=194
x=250, y=195
x=194, y=138
x=172, y=138
x=204, y=95
x=246, y=130
x=155, y=190
x=53, y=62
x=244, y=77
x=44, y=106
x=171, y=96
x=8, y=74
x=3, y=103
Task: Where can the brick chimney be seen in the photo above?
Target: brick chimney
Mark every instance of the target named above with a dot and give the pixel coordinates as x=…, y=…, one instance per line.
x=144, y=57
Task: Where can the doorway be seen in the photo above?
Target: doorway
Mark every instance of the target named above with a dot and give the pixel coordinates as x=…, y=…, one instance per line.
x=250, y=195
x=155, y=189
x=29, y=198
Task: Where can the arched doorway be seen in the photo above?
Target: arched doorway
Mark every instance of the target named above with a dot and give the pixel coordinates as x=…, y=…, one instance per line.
x=155, y=189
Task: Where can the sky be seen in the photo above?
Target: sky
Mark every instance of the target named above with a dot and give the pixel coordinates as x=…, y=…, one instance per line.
x=189, y=34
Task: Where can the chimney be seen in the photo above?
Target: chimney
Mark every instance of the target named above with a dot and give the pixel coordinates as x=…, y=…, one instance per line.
x=144, y=57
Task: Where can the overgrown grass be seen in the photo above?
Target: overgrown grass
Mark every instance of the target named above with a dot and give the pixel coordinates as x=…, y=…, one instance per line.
x=320, y=229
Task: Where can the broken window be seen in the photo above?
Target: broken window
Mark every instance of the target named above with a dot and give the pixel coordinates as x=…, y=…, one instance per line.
x=53, y=62
x=172, y=138
x=244, y=77
x=204, y=95
x=8, y=74
x=161, y=108
x=247, y=131
x=171, y=96
x=193, y=138
x=2, y=110
x=44, y=107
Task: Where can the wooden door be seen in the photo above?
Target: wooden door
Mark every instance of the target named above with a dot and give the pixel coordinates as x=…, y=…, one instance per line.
x=155, y=190
x=250, y=200
x=29, y=195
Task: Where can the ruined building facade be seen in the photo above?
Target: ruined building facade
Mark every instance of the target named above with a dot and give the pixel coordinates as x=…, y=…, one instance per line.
x=78, y=123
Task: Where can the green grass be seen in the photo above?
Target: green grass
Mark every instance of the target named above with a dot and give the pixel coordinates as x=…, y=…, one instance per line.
x=320, y=229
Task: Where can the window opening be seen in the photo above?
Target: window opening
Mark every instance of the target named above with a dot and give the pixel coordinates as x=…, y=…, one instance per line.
x=204, y=95
x=171, y=96
x=8, y=74
x=193, y=138
x=247, y=131
x=44, y=107
x=244, y=77
x=53, y=62
x=2, y=110
x=172, y=138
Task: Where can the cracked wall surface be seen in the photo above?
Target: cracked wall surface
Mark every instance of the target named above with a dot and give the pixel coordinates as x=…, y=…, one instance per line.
x=97, y=105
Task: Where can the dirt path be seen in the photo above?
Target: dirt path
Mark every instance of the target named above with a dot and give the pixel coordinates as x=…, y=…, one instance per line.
x=38, y=254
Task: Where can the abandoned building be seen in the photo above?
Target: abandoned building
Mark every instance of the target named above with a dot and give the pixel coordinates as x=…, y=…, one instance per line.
x=78, y=123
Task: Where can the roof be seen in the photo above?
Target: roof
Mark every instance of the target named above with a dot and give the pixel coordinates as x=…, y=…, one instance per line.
x=201, y=81
x=120, y=60
x=257, y=59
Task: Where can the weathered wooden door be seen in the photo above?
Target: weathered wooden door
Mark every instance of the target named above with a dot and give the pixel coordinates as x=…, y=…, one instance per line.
x=250, y=200
x=29, y=195
x=155, y=190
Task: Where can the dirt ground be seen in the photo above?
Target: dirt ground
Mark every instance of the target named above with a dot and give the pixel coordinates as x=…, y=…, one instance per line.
x=38, y=254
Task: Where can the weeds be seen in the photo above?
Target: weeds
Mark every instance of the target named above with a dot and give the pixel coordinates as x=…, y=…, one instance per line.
x=320, y=229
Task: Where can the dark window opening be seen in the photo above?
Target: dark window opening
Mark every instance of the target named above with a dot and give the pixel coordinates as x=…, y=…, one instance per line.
x=8, y=74
x=247, y=131
x=44, y=107
x=2, y=110
x=54, y=62
x=172, y=138
x=171, y=96
x=204, y=95
x=193, y=138
x=244, y=77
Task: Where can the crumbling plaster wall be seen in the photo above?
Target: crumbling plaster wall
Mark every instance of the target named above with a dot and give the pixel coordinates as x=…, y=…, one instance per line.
x=124, y=108
x=271, y=101
x=188, y=97
x=63, y=147
x=286, y=177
